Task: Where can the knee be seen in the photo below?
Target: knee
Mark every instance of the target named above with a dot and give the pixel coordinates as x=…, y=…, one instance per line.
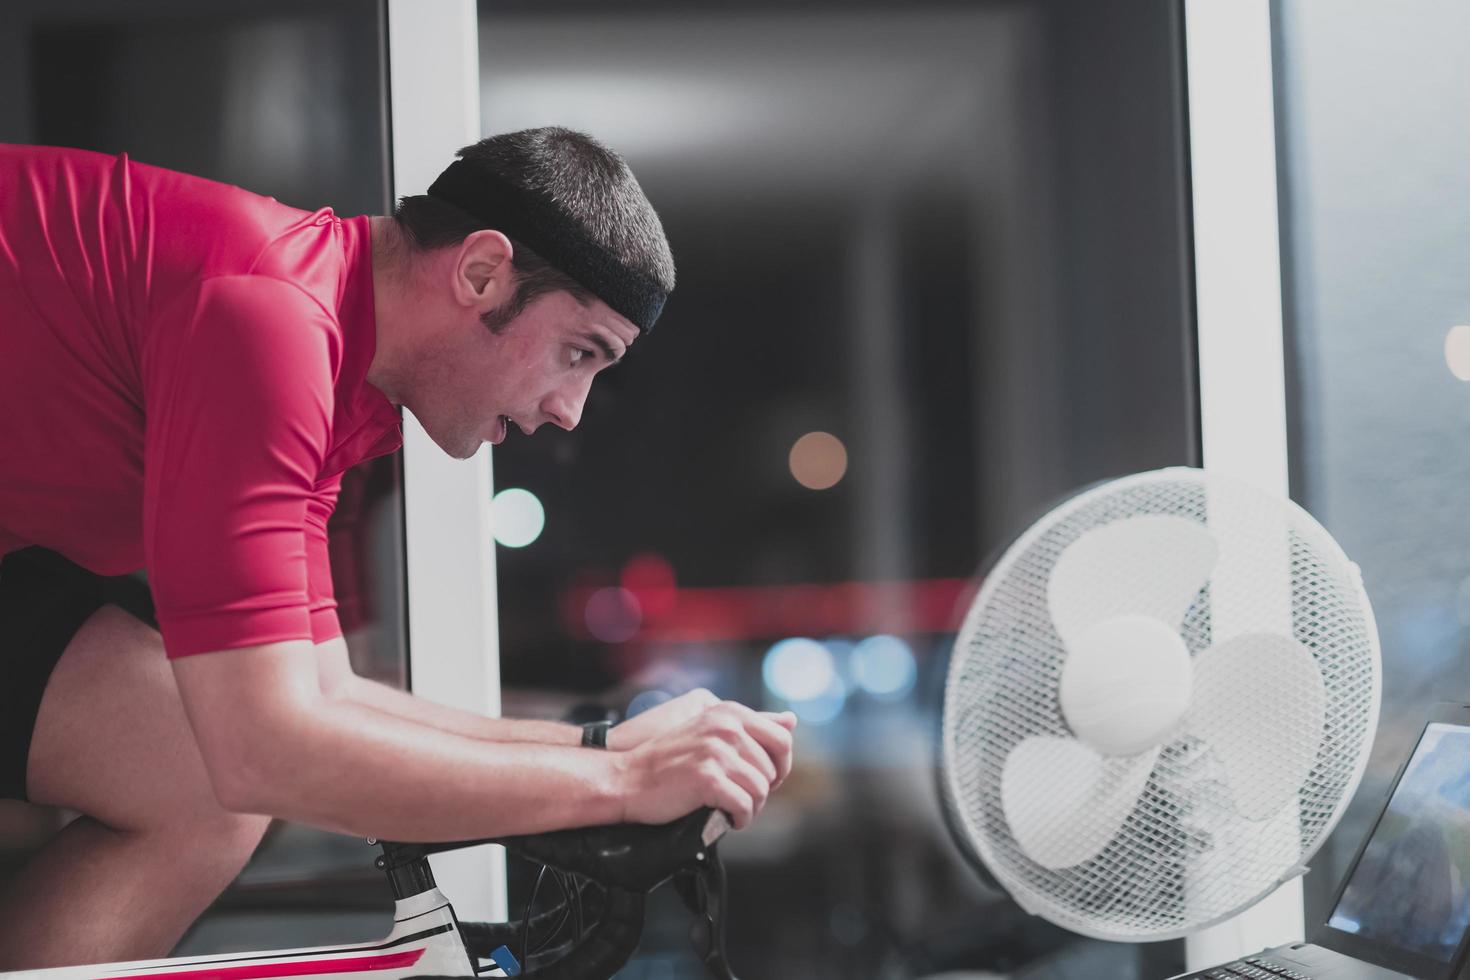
x=220, y=844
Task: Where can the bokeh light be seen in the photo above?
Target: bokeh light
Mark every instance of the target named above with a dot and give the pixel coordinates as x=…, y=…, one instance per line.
x=1457, y=351
x=884, y=666
x=613, y=615
x=818, y=460
x=823, y=708
x=803, y=673
x=798, y=669
x=650, y=577
x=517, y=517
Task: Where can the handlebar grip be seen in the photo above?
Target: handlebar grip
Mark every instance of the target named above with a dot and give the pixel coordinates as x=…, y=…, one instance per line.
x=604, y=951
x=608, y=947
x=483, y=938
x=634, y=857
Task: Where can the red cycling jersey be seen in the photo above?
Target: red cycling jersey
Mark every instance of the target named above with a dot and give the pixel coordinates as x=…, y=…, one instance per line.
x=182, y=383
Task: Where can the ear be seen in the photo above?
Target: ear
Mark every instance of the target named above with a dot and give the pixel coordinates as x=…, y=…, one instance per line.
x=483, y=275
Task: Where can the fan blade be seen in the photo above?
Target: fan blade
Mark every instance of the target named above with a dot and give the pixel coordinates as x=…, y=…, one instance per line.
x=1259, y=704
x=1125, y=684
x=1153, y=566
x=1064, y=802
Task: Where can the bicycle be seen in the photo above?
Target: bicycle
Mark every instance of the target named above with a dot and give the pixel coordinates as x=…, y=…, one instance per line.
x=605, y=874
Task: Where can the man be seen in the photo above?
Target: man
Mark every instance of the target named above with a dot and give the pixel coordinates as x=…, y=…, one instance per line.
x=186, y=369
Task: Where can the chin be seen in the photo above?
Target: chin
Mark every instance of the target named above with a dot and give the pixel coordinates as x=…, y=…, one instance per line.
x=463, y=449
x=456, y=445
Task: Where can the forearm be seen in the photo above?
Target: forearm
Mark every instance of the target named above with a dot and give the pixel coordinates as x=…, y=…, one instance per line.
x=275, y=743
x=352, y=769
x=401, y=704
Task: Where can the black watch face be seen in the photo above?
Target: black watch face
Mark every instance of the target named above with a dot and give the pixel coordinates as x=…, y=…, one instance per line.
x=595, y=734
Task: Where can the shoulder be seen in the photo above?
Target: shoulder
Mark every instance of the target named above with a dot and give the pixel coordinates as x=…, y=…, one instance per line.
x=251, y=325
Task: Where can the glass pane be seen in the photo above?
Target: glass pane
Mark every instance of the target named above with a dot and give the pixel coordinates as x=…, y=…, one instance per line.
x=949, y=238
x=284, y=100
x=1374, y=212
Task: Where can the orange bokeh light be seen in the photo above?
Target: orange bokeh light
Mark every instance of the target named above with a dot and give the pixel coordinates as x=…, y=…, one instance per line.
x=818, y=460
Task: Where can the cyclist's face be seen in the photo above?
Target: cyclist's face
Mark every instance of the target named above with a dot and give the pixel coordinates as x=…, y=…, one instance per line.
x=468, y=382
x=533, y=370
x=539, y=367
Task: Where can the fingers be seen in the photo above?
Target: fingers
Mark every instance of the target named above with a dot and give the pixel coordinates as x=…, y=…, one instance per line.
x=735, y=756
x=725, y=792
x=736, y=804
x=748, y=777
x=702, y=697
x=755, y=754
x=773, y=737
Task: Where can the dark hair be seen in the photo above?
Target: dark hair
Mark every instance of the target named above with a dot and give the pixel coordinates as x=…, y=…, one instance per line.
x=587, y=181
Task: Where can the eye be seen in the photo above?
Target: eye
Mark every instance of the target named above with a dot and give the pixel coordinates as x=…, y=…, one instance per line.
x=578, y=354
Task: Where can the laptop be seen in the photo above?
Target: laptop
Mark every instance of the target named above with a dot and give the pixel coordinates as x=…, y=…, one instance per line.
x=1404, y=907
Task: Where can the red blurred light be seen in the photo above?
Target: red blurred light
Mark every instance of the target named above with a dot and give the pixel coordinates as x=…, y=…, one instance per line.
x=737, y=613
x=613, y=615
x=650, y=578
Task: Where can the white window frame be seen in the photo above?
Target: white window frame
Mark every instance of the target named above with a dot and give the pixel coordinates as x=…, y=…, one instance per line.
x=1242, y=378
x=454, y=655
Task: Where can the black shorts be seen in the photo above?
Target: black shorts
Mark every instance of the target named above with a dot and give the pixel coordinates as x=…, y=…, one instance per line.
x=44, y=600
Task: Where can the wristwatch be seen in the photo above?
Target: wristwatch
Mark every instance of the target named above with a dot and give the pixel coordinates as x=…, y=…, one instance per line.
x=594, y=734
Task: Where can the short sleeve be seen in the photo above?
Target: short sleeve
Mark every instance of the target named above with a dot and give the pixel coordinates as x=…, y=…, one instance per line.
x=237, y=382
x=320, y=594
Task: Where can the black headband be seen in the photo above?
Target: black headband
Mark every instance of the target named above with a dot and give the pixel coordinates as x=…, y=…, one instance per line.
x=534, y=219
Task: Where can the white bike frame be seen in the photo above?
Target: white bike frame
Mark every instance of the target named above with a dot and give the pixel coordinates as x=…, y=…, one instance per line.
x=425, y=940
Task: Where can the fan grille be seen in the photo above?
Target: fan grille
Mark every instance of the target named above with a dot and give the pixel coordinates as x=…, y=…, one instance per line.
x=1184, y=858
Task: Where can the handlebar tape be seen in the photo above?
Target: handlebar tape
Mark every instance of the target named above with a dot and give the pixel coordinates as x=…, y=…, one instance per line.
x=605, y=949
x=633, y=857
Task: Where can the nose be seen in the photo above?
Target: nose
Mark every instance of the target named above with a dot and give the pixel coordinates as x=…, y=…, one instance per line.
x=564, y=406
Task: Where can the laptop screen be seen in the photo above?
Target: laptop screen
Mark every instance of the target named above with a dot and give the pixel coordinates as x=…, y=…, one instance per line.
x=1410, y=890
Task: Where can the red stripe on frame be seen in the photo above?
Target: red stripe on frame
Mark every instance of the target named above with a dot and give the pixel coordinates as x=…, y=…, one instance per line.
x=298, y=968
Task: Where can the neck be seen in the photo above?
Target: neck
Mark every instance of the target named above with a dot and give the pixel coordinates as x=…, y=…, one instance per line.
x=390, y=274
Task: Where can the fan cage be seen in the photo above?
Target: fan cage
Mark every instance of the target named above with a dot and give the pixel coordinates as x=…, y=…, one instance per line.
x=1183, y=859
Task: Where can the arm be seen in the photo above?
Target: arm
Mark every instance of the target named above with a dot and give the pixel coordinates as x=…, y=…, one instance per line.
x=274, y=743
x=237, y=379
x=338, y=681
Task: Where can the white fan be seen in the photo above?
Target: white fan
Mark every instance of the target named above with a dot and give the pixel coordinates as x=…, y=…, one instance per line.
x=1160, y=703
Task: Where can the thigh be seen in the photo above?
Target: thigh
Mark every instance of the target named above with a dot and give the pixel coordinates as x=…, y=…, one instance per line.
x=44, y=600
x=111, y=738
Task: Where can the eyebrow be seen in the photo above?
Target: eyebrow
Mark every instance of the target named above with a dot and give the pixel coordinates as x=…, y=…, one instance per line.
x=600, y=342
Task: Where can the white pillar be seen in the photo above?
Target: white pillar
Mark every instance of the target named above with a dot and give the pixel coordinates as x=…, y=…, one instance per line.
x=1238, y=299
x=454, y=656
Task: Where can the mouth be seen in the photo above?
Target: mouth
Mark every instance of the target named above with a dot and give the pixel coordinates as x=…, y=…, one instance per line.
x=502, y=428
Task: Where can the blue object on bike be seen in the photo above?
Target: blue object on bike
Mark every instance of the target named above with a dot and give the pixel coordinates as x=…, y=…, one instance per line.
x=503, y=958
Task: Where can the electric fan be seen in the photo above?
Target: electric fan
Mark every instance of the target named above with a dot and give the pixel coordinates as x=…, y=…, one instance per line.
x=1159, y=705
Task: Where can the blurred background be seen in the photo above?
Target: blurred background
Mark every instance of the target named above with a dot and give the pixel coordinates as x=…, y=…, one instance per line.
x=1376, y=296
x=934, y=274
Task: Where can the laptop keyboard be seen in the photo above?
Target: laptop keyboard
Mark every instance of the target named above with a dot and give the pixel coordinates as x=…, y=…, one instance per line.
x=1252, y=968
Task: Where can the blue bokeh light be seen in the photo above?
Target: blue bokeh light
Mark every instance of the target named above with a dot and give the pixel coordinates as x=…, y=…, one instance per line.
x=803, y=673
x=798, y=669
x=884, y=666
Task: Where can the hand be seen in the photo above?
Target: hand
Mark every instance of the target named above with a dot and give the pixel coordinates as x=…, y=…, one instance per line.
x=727, y=756
x=659, y=719
x=663, y=718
